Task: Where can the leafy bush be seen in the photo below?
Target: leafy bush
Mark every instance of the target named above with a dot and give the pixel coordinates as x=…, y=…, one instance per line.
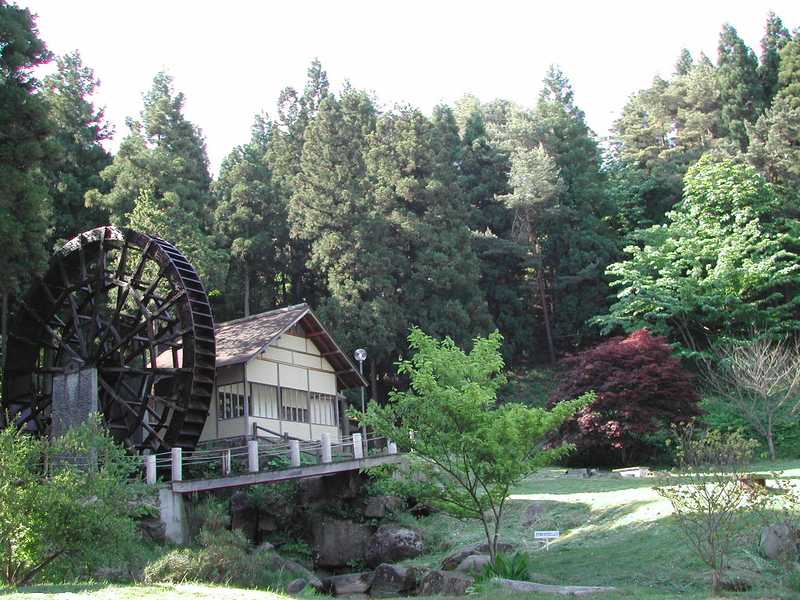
x=641, y=388
x=66, y=506
x=223, y=557
x=720, y=415
x=709, y=499
x=505, y=566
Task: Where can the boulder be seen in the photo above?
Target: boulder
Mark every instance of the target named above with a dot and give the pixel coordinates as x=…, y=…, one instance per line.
x=453, y=560
x=264, y=547
x=475, y=563
x=377, y=506
x=267, y=523
x=445, y=583
x=337, y=543
x=779, y=542
x=390, y=581
x=244, y=516
x=331, y=488
x=561, y=590
x=296, y=586
x=391, y=543
x=275, y=562
x=349, y=584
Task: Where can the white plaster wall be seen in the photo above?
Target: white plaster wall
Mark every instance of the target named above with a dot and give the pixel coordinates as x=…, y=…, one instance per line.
x=298, y=430
x=278, y=354
x=307, y=360
x=324, y=383
x=291, y=342
x=229, y=374
x=293, y=377
x=271, y=424
x=210, y=427
x=326, y=366
x=232, y=427
x=318, y=430
x=262, y=371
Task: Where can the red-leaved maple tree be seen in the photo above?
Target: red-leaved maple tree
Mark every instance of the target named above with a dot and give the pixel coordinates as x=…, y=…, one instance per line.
x=641, y=389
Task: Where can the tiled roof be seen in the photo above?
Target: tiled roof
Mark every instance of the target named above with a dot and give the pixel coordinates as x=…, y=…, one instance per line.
x=238, y=341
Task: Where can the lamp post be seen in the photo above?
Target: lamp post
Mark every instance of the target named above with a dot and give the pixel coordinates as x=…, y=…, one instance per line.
x=361, y=355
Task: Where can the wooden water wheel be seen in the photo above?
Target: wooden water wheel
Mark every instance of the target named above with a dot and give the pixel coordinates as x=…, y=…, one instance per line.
x=131, y=307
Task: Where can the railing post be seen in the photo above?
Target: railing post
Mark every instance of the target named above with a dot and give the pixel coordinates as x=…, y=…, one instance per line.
x=358, y=448
x=226, y=462
x=177, y=464
x=150, y=469
x=294, y=452
x=391, y=447
x=325, y=439
x=252, y=456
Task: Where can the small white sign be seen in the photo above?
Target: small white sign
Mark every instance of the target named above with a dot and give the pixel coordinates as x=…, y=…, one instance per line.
x=546, y=535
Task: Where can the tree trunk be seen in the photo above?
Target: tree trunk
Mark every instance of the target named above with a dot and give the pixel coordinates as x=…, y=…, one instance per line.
x=771, y=445
x=716, y=582
x=545, y=313
x=3, y=329
x=246, y=291
x=537, y=252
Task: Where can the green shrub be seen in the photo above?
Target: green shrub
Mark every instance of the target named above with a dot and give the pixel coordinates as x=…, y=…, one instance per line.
x=793, y=581
x=505, y=566
x=223, y=557
x=721, y=416
x=212, y=514
x=66, y=505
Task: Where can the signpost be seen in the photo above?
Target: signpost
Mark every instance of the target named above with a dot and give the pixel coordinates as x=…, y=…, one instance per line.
x=546, y=537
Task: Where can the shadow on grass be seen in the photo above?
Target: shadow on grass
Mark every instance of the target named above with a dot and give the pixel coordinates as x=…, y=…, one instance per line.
x=550, y=483
x=60, y=588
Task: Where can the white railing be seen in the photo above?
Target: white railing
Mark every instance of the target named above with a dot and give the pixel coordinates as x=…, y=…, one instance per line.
x=255, y=457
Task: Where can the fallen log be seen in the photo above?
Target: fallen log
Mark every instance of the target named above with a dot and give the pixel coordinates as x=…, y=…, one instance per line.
x=562, y=590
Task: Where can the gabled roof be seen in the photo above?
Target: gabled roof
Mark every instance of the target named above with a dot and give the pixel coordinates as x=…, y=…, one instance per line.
x=240, y=340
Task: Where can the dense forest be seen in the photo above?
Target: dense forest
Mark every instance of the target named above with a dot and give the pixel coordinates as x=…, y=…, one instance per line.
x=479, y=216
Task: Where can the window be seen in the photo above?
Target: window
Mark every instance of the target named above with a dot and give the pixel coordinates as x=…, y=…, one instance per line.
x=230, y=401
x=294, y=405
x=323, y=409
x=264, y=400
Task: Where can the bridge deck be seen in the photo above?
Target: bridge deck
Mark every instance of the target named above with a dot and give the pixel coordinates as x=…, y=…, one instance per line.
x=318, y=470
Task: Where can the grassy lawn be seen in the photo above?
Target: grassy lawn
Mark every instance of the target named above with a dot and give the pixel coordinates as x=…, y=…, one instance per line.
x=99, y=591
x=614, y=532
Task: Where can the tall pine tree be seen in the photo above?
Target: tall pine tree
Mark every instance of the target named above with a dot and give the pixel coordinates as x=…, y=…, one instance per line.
x=741, y=91
x=253, y=220
x=77, y=155
x=159, y=181
x=775, y=38
x=24, y=203
x=296, y=111
x=774, y=139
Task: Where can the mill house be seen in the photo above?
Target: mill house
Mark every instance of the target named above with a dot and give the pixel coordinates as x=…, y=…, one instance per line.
x=279, y=373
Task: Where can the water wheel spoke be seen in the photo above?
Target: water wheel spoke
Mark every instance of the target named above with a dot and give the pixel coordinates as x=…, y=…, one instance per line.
x=123, y=404
x=109, y=302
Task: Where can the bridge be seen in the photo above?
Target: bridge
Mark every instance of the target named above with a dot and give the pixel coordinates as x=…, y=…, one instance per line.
x=259, y=461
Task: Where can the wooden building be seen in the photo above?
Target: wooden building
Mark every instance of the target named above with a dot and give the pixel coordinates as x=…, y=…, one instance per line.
x=278, y=373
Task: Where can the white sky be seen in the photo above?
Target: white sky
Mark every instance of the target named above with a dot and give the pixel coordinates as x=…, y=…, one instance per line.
x=232, y=58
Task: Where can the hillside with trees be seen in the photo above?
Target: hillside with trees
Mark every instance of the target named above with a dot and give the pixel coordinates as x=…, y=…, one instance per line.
x=479, y=216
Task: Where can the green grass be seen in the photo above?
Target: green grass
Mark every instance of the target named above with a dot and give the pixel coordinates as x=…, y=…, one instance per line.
x=614, y=532
x=99, y=591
